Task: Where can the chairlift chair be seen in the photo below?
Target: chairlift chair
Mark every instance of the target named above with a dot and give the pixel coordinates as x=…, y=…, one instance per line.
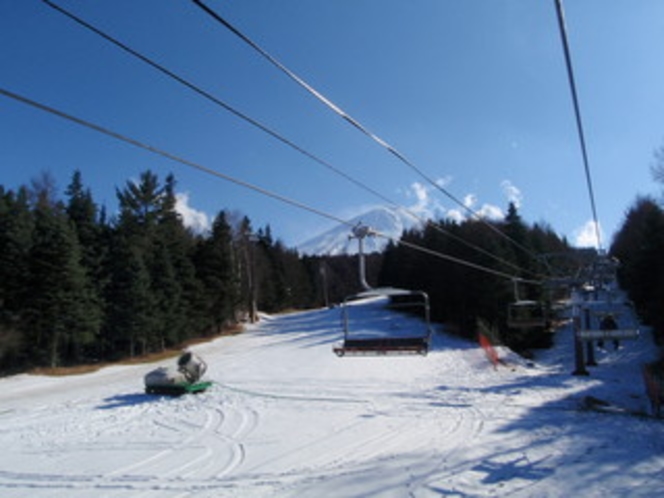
x=593, y=327
x=526, y=314
x=375, y=333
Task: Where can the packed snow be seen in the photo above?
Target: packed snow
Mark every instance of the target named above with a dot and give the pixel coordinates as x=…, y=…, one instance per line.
x=288, y=418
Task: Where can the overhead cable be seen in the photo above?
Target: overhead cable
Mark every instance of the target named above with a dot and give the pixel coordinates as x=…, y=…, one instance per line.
x=579, y=123
x=274, y=134
x=168, y=155
x=355, y=123
x=204, y=169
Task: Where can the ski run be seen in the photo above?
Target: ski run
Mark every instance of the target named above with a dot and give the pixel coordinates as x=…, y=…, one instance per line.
x=286, y=417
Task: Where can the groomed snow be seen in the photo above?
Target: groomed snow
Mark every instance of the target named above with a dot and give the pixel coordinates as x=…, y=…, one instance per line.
x=288, y=418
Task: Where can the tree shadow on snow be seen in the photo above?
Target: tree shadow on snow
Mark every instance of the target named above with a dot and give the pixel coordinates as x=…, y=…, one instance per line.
x=593, y=443
x=307, y=329
x=325, y=327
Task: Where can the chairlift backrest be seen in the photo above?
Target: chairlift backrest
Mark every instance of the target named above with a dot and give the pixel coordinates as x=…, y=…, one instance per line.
x=367, y=334
x=526, y=314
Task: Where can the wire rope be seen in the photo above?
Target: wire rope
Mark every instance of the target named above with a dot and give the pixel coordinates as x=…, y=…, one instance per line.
x=274, y=134
x=359, y=126
x=579, y=122
x=204, y=169
x=168, y=155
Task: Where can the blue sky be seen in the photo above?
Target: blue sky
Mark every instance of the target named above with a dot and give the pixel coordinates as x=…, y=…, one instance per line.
x=474, y=92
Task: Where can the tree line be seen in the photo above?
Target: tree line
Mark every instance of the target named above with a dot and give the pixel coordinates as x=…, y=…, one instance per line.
x=77, y=286
x=639, y=246
x=462, y=296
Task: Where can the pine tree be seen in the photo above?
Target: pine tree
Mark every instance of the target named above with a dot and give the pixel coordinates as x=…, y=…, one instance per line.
x=136, y=321
x=16, y=226
x=246, y=267
x=90, y=230
x=62, y=316
x=170, y=270
x=82, y=212
x=130, y=304
x=639, y=246
x=159, y=251
x=216, y=267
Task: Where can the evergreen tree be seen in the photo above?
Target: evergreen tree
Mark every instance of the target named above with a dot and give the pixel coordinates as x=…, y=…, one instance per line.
x=135, y=263
x=217, y=270
x=171, y=270
x=246, y=268
x=130, y=304
x=62, y=316
x=90, y=231
x=639, y=246
x=82, y=212
x=141, y=203
x=159, y=251
x=518, y=232
x=16, y=226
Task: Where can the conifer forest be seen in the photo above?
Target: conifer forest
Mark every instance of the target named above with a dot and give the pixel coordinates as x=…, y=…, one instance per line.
x=78, y=286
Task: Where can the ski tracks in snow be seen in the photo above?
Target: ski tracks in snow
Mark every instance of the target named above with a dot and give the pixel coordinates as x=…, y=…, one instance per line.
x=175, y=447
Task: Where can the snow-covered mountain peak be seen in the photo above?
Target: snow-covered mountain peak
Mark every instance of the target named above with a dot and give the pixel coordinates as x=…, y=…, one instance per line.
x=389, y=223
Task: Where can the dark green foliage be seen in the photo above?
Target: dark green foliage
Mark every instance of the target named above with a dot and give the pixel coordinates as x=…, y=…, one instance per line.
x=61, y=315
x=154, y=252
x=76, y=288
x=216, y=271
x=639, y=246
x=16, y=227
x=129, y=304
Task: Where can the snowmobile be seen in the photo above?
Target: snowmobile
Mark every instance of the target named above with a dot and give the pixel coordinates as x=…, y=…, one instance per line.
x=185, y=378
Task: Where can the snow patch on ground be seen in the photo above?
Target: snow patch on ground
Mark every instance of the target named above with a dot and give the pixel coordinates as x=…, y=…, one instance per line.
x=289, y=418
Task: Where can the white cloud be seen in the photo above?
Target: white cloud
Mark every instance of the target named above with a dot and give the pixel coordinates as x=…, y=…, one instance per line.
x=421, y=193
x=586, y=236
x=456, y=215
x=512, y=192
x=425, y=205
x=487, y=211
x=491, y=212
x=196, y=220
x=444, y=181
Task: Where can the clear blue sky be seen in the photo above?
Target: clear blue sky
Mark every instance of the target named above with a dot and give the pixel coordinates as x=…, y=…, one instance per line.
x=474, y=92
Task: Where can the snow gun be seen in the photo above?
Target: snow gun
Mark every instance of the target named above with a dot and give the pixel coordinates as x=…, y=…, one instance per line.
x=183, y=379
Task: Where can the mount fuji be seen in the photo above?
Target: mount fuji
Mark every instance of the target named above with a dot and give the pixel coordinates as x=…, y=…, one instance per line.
x=336, y=241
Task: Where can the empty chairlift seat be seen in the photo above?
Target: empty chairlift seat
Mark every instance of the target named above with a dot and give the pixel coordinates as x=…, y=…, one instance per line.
x=372, y=328
x=526, y=314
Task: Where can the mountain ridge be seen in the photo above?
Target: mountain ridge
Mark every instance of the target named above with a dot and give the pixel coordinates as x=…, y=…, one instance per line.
x=336, y=241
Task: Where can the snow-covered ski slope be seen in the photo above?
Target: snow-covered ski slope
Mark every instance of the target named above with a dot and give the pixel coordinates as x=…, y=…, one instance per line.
x=288, y=418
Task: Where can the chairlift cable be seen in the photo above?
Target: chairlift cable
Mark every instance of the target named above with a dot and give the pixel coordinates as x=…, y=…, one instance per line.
x=579, y=123
x=168, y=155
x=274, y=134
x=203, y=93
x=356, y=124
x=459, y=261
x=204, y=169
